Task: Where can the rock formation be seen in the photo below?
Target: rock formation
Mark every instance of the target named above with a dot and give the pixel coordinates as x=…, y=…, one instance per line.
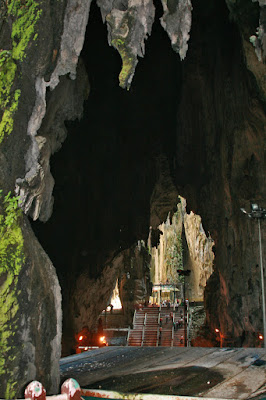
x=205, y=116
x=183, y=244
x=200, y=256
x=91, y=296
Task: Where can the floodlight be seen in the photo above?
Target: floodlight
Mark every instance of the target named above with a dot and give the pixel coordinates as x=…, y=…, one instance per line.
x=254, y=207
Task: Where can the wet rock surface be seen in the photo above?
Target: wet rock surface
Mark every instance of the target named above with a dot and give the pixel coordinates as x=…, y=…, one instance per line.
x=222, y=373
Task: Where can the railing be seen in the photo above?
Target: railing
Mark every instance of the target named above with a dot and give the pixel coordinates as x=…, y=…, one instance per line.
x=134, y=319
x=70, y=390
x=173, y=330
x=158, y=330
x=133, y=323
x=128, y=334
x=143, y=329
x=189, y=319
x=158, y=335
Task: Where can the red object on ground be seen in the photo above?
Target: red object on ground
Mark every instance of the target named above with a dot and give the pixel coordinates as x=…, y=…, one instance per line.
x=72, y=389
x=35, y=391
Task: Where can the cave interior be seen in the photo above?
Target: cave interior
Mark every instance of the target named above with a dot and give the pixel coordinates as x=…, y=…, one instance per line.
x=181, y=112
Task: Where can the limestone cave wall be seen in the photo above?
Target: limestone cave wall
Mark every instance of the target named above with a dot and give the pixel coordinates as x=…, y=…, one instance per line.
x=196, y=126
x=182, y=244
x=90, y=296
x=221, y=166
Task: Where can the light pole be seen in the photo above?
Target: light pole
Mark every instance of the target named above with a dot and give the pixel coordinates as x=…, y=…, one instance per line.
x=259, y=213
x=221, y=336
x=184, y=272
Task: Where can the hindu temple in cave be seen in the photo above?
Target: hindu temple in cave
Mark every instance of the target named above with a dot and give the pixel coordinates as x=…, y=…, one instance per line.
x=131, y=132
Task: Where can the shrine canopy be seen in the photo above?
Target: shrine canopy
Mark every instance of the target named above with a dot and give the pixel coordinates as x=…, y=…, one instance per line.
x=164, y=292
x=164, y=287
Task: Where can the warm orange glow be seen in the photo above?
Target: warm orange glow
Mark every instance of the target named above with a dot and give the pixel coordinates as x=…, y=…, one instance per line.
x=261, y=337
x=217, y=330
x=102, y=339
x=80, y=337
x=115, y=300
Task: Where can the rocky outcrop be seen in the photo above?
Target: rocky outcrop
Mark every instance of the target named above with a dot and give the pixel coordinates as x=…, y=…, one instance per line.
x=176, y=21
x=183, y=244
x=200, y=256
x=31, y=316
x=129, y=24
x=64, y=103
x=31, y=323
x=91, y=296
x=250, y=19
x=224, y=170
x=134, y=283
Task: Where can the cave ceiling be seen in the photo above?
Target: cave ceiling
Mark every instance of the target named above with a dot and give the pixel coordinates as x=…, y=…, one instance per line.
x=107, y=167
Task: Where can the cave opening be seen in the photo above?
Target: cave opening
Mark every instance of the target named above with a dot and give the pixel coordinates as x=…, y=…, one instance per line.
x=123, y=165
x=108, y=165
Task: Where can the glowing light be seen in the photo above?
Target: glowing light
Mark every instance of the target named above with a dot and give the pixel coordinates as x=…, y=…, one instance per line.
x=261, y=337
x=216, y=330
x=115, y=300
x=80, y=337
x=85, y=348
x=102, y=339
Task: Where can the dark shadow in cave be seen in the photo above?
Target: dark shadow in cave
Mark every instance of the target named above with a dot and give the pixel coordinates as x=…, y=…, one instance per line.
x=105, y=172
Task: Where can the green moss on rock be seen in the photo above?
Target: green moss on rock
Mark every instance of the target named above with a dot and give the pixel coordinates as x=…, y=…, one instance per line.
x=128, y=60
x=23, y=15
x=11, y=261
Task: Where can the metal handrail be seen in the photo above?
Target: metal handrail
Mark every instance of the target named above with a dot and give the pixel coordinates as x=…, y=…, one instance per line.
x=134, y=319
x=158, y=333
x=172, y=339
x=128, y=334
x=158, y=329
x=133, y=323
x=173, y=330
x=143, y=329
x=189, y=319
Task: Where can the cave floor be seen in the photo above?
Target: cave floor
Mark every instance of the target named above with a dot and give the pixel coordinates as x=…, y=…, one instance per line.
x=228, y=373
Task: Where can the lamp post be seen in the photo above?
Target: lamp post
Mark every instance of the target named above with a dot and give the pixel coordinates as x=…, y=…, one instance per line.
x=221, y=336
x=259, y=213
x=184, y=272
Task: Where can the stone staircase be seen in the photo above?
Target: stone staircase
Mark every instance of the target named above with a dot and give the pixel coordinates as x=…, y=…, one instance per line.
x=151, y=329
x=179, y=334
x=166, y=317
x=154, y=327
x=135, y=334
